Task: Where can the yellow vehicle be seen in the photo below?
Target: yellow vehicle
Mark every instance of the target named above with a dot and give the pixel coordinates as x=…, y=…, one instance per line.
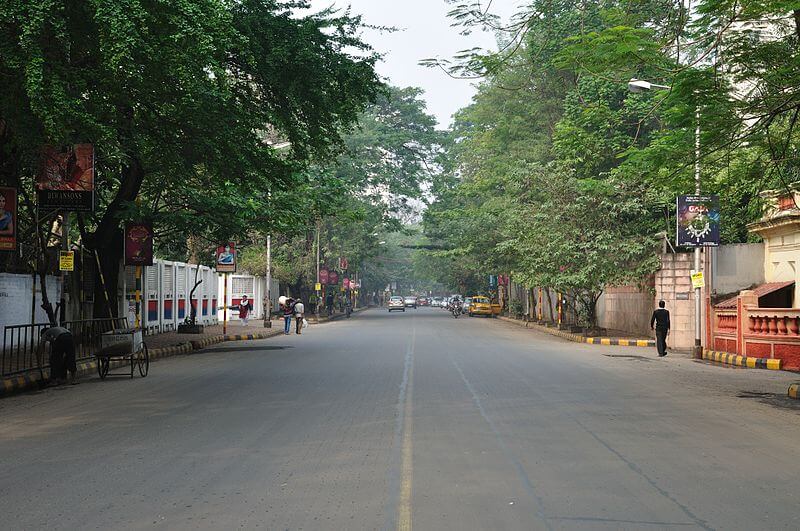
x=480, y=306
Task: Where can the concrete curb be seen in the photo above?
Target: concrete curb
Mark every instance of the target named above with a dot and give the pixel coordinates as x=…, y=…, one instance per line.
x=582, y=339
x=794, y=391
x=33, y=380
x=742, y=361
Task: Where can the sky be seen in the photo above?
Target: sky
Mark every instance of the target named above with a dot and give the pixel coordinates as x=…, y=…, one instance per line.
x=424, y=32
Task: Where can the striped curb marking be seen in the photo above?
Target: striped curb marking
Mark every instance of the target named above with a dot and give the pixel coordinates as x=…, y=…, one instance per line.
x=742, y=361
x=794, y=391
x=33, y=380
x=583, y=339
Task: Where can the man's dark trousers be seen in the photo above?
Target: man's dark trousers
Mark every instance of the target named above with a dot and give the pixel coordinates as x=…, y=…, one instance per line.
x=661, y=341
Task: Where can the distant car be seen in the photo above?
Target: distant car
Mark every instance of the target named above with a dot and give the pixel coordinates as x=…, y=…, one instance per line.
x=411, y=302
x=396, y=303
x=423, y=301
x=436, y=302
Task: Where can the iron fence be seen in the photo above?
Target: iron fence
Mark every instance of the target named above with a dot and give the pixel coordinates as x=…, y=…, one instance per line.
x=21, y=342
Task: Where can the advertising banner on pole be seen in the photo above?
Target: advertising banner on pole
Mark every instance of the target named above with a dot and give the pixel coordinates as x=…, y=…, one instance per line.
x=323, y=276
x=8, y=219
x=343, y=263
x=333, y=277
x=226, y=258
x=346, y=283
x=697, y=220
x=66, y=178
x=138, y=243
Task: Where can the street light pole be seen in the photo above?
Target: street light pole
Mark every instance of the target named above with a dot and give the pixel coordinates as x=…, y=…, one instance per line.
x=638, y=85
x=698, y=307
x=268, y=304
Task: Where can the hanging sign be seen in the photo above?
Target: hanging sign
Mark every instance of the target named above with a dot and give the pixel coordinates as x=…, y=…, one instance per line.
x=8, y=219
x=317, y=287
x=343, y=263
x=697, y=220
x=226, y=258
x=698, y=281
x=66, y=260
x=138, y=244
x=66, y=178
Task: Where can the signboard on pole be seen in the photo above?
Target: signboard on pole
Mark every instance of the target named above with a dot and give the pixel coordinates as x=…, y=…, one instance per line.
x=346, y=283
x=323, y=276
x=697, y=220
x=698, y=281
x=333, y=277
x=138, y=243
x=317, y=287
x=8, y=219
x=343, y=263
x=66, y=178
x=226, y=258
x=66, y=260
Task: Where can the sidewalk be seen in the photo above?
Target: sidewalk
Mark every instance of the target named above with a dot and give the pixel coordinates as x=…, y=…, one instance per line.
x=165, y=345
x=578, y=338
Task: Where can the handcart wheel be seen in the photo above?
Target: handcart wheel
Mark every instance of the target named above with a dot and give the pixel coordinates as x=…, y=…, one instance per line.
x=102, y=367
x=143, y=359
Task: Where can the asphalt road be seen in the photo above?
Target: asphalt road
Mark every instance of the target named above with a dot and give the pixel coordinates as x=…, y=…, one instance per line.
x=407, y=420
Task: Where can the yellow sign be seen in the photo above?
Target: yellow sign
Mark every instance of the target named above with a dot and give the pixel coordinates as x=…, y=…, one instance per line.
x=698, y=281
x=66, y=261
x=317, y=287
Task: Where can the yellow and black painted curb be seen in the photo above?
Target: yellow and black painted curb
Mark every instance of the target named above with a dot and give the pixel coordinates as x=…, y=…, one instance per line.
x=742, y=361
x=577, y=338
x=794, y=390
x=33, y=379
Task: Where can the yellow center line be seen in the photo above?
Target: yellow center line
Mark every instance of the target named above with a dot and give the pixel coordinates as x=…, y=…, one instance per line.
x=407, y=464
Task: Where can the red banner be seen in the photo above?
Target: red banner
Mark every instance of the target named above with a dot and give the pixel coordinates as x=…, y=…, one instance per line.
x=138, y=244
x=333, y=277
x=323, y=276
x=8, y=219
x=346, y=283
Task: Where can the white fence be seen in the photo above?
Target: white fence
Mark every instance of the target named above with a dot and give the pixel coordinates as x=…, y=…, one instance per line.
x=252, y=286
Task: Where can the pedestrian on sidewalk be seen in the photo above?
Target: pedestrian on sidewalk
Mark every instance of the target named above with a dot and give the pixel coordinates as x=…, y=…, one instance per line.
x=661, y=321
x=245, y=308
x=62, y=354
x=288, y=313
x=329, y=303
x=299, y=315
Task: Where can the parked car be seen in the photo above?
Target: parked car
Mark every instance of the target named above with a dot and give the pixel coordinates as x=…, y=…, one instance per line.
x=396, y=303
x=481, y=305
x=436, y=302
x=411, y=302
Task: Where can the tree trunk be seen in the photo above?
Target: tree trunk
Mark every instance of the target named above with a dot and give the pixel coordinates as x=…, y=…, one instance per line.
x=108, y=240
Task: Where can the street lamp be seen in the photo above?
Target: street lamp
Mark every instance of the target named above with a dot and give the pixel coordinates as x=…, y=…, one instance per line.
x=638, y=86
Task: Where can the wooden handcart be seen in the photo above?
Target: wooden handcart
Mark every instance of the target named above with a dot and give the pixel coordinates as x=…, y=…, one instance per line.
x=123, y=345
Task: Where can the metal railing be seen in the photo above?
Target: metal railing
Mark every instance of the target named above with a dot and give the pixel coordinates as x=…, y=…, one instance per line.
x=19, y=348
x=20, y=342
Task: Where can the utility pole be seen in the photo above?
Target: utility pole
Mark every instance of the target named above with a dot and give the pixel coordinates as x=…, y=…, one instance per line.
x=319, y=292
x=698, y=323
x=268, y=301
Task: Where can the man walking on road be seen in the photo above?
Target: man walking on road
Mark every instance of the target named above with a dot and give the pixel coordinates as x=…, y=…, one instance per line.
x=299, y=315
x=288, y=313
x=329, y=303
x=661, y=321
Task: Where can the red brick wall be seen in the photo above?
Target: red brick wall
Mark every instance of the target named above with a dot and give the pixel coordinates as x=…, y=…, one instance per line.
x=790, y=354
